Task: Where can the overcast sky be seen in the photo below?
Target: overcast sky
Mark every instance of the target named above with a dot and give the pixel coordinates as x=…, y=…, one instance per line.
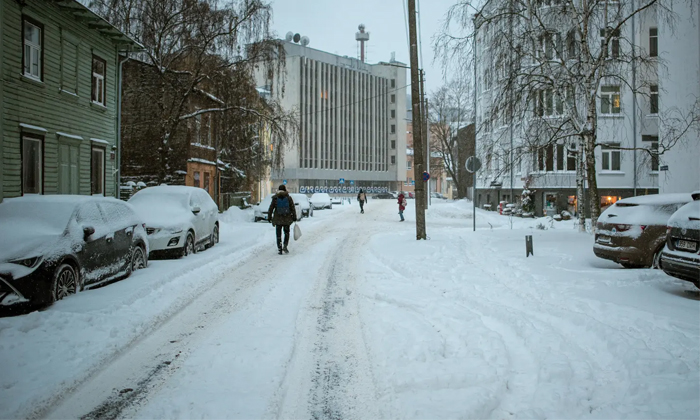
x=331, y=27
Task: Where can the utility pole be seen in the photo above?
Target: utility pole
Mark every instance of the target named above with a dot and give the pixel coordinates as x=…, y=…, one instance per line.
x=424, y=121
x=418, y=138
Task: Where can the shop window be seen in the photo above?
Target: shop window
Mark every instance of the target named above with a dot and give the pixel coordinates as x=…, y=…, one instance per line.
x=197, y=179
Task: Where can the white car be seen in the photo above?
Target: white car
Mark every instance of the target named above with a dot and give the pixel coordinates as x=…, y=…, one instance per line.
x=303, y=206
x=260, y=210
x=178, y=219
x=336, y=200
x=321, y=201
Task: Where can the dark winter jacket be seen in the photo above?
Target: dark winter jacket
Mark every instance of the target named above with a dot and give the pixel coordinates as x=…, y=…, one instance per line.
x=279, y=219
x=402, y=202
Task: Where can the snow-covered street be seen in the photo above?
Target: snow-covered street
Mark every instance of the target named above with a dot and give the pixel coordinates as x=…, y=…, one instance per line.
x=360, y=320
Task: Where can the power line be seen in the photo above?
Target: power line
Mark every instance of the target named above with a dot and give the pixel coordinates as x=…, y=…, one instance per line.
x=405, y=24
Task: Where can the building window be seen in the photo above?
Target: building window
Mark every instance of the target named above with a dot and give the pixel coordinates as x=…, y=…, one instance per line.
x=610, y=100
x=408, y=164
x=32, y=164
x=99, y=71
x=560, y=157
x=612, y=50
x=654, y=99
x=653, y=42
x=197, y=182
x=97, y=171
x=393, y=144
x=571, y=158
x=393, y=128
x=393, y=83
x=393, y=98
x=393, y=160
x=393, y=114
x=33, y=53
x=652, y=144
x=611, y=157
x=571, y=45
x=206, y=181
x=550, y=45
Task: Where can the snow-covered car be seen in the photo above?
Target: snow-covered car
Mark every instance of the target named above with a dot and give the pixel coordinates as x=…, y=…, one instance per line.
x=681, y=255
x=321, y=201
x=52, y=246
x=632, y=232
x=260, y=210
x=383, y=196
x=437, y=195
x=179, y=219
x=302, y=205
x=337, y=200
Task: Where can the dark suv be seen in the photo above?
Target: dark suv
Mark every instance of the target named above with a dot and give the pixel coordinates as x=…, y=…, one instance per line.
x=681, y=256
x=632, y=232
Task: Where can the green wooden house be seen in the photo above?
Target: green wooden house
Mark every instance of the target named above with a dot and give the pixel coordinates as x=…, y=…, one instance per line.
x=60, y=73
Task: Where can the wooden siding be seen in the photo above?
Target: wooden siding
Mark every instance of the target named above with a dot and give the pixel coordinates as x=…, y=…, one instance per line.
x=43, y=104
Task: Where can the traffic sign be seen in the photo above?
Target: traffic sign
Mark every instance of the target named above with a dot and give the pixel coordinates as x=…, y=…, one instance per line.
x=341, y=181
x=352, y=182
x=426, y=176
x=284, y=181
x=473, y=164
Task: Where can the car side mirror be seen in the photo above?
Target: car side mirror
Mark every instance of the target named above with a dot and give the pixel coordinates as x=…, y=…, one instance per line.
x=87, y=232
x=196, y=209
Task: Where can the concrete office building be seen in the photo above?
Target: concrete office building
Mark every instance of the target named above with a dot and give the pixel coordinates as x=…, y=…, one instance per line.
x=352, y=119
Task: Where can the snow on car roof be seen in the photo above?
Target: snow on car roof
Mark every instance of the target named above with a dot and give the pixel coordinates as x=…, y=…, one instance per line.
x=167, y=189
x=687, y=217
x=659, y=199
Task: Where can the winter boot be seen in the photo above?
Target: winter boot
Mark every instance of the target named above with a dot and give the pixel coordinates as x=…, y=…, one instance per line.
x=285, y=250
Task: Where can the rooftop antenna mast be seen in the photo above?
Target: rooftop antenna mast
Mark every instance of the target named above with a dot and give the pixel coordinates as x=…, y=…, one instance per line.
x=362, y=37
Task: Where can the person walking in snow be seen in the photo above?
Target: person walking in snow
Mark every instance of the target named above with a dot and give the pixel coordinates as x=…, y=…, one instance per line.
x=282, y=214
x=362, y=197
x=402, y=206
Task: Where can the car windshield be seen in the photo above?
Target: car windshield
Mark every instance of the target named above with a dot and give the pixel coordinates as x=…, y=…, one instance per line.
x=160, y=199
x=51, y=215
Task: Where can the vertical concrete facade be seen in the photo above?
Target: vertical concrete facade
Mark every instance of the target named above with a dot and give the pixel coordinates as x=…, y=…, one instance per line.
x=352, y=120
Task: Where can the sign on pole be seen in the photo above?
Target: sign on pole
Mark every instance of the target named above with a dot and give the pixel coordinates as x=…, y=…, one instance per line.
x=426, y=176
x=284, y=181
x=341, y=181
x=352, y=182
x=473, y=164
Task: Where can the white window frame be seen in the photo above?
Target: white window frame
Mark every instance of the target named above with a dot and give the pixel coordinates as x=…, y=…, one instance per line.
x=39, y=166
x=610, y=93
x=653, y=42
x=613, y=48
x=28, y=47
x=608, y=152
x=99, y=81
x=654, y=99
x=408, y=164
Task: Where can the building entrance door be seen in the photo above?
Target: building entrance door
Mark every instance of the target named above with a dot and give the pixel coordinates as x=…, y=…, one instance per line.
x=550, y=204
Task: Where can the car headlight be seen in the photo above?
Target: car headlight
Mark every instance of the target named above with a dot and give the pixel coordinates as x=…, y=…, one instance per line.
x=28, y=262
x=175, y=230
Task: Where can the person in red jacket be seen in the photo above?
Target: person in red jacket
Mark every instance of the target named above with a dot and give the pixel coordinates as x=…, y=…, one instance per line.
x=402, y=206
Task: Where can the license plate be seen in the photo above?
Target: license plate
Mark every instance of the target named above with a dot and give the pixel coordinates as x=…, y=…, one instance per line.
x=686, y=245
x=604, y=239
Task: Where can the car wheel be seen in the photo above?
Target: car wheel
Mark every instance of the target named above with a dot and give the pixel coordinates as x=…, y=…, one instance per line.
x=138, y=259
x=189, y=247
x=628, y=265
x=656, y=262
x=65, y=282
x=214, y=239
x=256, y=220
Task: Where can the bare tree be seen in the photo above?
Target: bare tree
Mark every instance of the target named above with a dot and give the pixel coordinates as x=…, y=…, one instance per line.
x=552, y=68
x=449, y=114
x=205, y=46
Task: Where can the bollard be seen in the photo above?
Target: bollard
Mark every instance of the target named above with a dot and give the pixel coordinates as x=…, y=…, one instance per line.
x=528, y=246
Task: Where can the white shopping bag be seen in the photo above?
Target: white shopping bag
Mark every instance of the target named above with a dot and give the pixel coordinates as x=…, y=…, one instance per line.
x=297, y=231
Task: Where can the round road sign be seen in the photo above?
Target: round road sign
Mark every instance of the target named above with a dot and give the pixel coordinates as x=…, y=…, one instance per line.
x=473, y=164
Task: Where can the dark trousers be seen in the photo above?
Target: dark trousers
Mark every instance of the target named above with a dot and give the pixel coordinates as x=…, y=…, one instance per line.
x=279, y=235
x=362, y=204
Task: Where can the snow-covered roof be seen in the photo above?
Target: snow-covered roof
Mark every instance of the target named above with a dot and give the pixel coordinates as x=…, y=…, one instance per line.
x=198, y=160
x=658, y=199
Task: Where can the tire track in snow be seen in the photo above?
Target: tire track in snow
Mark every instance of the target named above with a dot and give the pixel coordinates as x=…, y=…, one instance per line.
x=329, y=375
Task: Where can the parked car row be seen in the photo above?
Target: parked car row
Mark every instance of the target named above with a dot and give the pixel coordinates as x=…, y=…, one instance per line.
x=304, y=205
x=658, y=231
x=52, y=246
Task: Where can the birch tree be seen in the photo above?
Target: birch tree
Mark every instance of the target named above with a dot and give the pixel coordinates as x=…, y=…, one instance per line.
x=554, y=68
x=204, y=46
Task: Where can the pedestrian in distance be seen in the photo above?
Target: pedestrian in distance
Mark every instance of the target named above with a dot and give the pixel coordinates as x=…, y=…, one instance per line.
x=362, y=197
x=282, y=214
x=402, y=206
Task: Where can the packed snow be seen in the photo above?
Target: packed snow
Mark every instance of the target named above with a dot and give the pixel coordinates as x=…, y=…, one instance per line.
x=360, y=320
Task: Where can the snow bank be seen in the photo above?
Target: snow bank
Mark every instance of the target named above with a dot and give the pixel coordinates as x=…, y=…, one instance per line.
x=236, y=215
